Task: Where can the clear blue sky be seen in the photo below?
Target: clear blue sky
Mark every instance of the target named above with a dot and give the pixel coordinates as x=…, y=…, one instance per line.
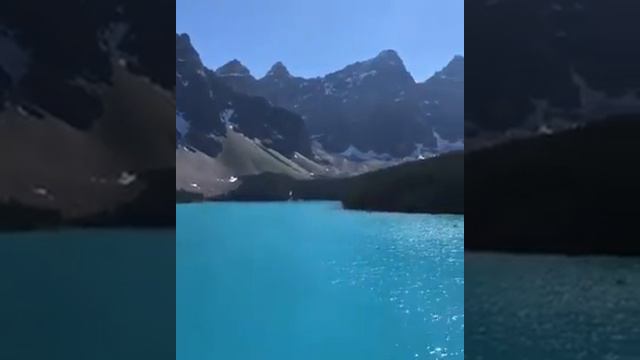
x=315, y=37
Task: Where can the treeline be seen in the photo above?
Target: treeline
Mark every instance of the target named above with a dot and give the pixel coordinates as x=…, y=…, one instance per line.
x=574, y=192
x=427, y=186
x=154, y=207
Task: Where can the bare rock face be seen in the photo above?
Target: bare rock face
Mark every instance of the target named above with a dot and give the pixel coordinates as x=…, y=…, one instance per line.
x=223, y=134
x=552, y=118
x=207, y=108
x=373, y=105
x=544, y=66
x=86, y=109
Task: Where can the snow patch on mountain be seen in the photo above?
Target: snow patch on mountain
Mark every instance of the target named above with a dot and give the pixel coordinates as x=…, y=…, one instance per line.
x=225, y=116
x=421, y=152
x=367, y=74
x=546, y=119
x=595, y=103
x=126, y=178
x=354, y=153
x=110, y=40
x=328, y=88
x=444, y=145
x=181, y=124
x=231, y=74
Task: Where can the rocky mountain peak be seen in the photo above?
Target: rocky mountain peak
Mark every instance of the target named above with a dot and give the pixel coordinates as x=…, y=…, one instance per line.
x=278, y=70
x=208, y=107
x=388, y=57
x=233, y=68
x=184, y=37
x=185, y=53
x=387, y=67
x=372, y=105
x=455, y=68
x=388, y=54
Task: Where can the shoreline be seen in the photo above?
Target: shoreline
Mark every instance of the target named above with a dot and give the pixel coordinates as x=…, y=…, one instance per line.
x=541, y=252
x=343, y=207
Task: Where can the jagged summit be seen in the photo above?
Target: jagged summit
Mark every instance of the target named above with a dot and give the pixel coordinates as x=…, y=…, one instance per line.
x=371, y=105
x=389, y=56
x=278, y=70
x=388, y=53
x=457, y=62
x=111, y=76
x=207, y=107
x=387, y=61
x=233, y=68
x=185, y=52
x=184, y=37
x=454, y=69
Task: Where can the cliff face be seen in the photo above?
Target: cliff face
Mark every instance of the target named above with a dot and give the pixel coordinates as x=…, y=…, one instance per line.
x=86, y=107
x=207, y=108
x=543, y=66
x=372, y=106
x=223, y=134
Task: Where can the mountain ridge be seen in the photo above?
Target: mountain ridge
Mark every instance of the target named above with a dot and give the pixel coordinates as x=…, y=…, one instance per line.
x=223, y=134
x=338, y=105
x=85, y=104
x=229, y=126
x=558, y=66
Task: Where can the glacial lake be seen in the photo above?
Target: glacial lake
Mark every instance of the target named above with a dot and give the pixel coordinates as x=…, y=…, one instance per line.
x=309, y=280
x=533, y=307
x=87, y=294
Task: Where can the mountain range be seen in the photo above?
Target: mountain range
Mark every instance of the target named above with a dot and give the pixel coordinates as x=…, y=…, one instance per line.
x=550, y=126
x=370, y=115
x=545, y=66
x=222, y=134
x=85, y=112
x=370, y=106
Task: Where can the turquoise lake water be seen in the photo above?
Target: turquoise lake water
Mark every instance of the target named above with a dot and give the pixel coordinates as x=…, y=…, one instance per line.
x=534, y=307
x=90, y=294
x=311, y=281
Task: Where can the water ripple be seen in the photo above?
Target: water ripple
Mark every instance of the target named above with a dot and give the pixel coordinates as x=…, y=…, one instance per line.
x=417, y=267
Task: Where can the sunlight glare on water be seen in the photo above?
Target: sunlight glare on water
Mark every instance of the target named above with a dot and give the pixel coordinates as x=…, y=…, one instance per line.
x=310, y=280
